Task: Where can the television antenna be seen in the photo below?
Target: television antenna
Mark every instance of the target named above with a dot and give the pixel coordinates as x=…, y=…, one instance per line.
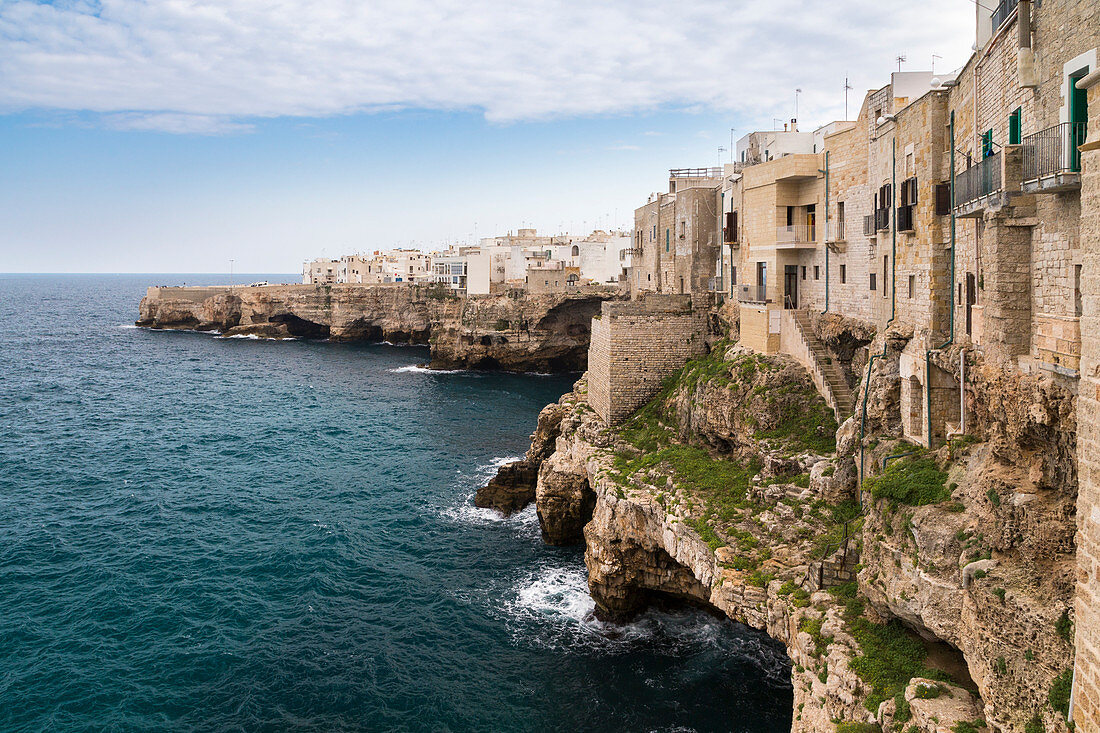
x=934, y=57
x=847, y=87
x=901, y=60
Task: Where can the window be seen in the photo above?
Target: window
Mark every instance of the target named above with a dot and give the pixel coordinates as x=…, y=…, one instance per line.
x=733, y=276
x=839, y=221
x=666, y=240
x=1015, y=126
x=683, y=229
x=912, y=284
x=960, y=298
x=885, y=269
x=803, y=272
x=987, y=144
x=872, y=281
x=843, y=274
x=817, y=272
x=576, y=251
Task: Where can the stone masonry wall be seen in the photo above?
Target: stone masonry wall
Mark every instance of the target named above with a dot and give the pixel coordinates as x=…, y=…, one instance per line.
x=636, y=345
x=1086, y=701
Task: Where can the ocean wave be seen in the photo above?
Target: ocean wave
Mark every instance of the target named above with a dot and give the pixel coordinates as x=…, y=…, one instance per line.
x=420, y=369
x=128, y=325
x=256, y=337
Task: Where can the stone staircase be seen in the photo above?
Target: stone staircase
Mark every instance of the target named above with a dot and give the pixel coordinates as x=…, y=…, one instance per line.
x=838, y=394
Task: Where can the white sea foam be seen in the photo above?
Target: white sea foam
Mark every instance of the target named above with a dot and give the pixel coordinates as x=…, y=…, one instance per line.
x=421, y=369
x=256, y=337
x=128, y=325
x=466, y=513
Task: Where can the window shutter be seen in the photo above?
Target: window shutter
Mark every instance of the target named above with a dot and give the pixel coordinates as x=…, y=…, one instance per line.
x=943, y=199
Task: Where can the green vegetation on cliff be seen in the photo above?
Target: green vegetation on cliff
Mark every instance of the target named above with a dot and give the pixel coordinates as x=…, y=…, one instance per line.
x=913, y=481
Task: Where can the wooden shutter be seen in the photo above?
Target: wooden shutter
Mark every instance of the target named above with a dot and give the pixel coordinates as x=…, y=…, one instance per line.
x=943, y=199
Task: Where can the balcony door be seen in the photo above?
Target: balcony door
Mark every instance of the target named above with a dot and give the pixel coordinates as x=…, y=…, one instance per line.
x=811, y=223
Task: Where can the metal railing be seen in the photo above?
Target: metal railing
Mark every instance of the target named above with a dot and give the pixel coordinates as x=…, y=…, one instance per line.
x=978, y=180
x=839, y=230
x=1053, y=150
x=752, y=293
x=1003, y=12
x=695, y=173
x=794, y=233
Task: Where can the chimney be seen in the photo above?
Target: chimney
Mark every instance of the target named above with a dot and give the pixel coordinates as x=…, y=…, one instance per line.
x=784, y=127
x=794, y=125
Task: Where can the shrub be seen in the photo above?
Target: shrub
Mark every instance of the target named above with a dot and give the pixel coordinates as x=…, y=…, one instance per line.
x=902, y=710
x=889, y=657
x=1000, y=593
x=787, y=588
x=965, y=726
x=930, y=692
x=1064, y=627
x=916, y=482
x=1000, y=666
x=994, y=497
x=1059, y=692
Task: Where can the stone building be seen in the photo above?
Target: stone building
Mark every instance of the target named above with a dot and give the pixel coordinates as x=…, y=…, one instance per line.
x=676, y=235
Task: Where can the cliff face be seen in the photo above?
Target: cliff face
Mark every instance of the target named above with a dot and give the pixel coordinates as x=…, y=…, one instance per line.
x=537, y=333
x=937, y=596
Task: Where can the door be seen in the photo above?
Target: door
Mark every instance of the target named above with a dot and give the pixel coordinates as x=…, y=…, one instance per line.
x=811, y=223
x=790, y=286
x=971, y=299
x=1078, y=117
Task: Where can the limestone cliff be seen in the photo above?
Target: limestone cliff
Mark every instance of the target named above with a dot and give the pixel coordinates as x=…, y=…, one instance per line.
x=934, y=598
x=514, y=332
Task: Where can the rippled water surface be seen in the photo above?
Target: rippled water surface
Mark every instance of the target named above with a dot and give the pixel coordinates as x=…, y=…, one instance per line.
x=233, y=534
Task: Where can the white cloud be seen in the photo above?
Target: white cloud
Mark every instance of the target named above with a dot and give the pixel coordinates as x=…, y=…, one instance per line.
x=624, y=146
x=183, y=124
x=203, y=65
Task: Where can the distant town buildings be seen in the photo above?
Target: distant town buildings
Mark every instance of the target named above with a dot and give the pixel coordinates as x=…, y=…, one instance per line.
x=522, y=261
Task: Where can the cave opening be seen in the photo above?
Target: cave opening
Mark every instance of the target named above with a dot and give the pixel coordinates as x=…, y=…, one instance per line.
x=300, y=327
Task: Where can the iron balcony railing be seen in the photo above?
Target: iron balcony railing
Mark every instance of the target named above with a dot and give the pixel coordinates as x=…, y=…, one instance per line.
x=1053, y=150
x=980, y=179
x=752, y=293
x=795, y=233
x=695, y=173
x=1004, y=12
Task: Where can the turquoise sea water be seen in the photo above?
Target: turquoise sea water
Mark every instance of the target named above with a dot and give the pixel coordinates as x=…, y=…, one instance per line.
x=230, y=534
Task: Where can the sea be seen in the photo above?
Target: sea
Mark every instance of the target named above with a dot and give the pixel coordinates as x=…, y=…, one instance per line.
x=234, y=534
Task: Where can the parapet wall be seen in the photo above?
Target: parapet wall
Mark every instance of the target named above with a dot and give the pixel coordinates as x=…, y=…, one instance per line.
x=635, y=345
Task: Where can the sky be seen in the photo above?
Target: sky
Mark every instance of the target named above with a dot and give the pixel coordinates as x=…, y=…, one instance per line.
x=178, y=135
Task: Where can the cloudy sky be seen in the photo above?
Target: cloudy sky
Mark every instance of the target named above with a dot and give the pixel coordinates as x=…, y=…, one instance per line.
x=175, y=135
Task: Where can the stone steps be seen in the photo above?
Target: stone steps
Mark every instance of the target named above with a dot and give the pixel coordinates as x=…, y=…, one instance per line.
x=826, y=366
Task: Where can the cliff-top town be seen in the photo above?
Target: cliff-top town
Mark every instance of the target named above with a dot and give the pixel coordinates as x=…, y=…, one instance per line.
x=844, y=389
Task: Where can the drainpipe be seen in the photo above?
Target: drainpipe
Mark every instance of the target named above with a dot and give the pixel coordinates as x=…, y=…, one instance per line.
x=893, y=303
x=950, y=300
x=826, y=232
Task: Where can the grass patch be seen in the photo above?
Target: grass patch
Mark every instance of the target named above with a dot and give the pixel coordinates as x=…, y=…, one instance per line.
x=1064, y=627
x=915, y=482
x=889, y=657
x=858, y=728
x=812, y=626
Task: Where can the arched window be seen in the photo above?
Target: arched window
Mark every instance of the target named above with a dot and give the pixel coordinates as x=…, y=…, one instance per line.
x=576, y=251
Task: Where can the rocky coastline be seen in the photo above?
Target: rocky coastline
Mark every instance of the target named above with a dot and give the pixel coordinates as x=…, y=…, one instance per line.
x=508, y=332
x=936, y=596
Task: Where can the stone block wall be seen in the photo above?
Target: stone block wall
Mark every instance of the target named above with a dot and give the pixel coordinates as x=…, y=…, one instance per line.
x=1086, y=695
x=636, y=345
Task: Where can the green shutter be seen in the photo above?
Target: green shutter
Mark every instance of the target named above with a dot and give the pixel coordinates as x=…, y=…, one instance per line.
x=1014, y=127
x=666, y=240
x=987, y=143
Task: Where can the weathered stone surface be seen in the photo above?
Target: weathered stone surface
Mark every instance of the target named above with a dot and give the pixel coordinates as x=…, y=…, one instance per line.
x=545, y=333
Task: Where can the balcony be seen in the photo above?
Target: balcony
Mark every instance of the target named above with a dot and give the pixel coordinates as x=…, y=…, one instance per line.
x=752, y=294
x=975, y=184
x=1052, y=160
x=695, y=173
x=796, y=236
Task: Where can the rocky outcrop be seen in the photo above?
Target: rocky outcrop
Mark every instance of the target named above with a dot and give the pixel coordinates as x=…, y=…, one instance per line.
x=959, y=610
x=513, y=487
x=512, y=332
